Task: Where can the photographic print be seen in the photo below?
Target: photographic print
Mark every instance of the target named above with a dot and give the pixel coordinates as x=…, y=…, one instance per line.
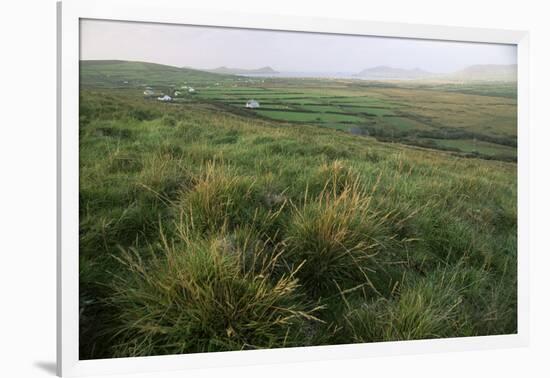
x=249, y=189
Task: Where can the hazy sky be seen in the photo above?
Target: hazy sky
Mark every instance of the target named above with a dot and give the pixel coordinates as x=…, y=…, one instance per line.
x=208, y=47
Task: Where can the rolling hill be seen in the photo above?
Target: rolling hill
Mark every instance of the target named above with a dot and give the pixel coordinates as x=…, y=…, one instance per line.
x=205, y=226
x=487, y=72
x=120, y=74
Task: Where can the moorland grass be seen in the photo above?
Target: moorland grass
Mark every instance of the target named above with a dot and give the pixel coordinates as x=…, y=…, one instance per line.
x=202, y=230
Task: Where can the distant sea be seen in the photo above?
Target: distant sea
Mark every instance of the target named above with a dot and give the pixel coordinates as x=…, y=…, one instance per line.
x=296, y=74
x=322, y=75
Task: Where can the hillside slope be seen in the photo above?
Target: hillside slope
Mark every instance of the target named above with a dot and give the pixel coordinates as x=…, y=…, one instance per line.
x=202, y=230
x=123, y=74
x=487, y=72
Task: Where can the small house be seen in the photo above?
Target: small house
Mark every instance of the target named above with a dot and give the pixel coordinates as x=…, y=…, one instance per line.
x=191, y=90
x=148, y=92
x=165, y=98
x=252, y=104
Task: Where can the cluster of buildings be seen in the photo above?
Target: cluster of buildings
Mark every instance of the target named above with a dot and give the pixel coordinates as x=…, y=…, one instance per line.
x=149, y=92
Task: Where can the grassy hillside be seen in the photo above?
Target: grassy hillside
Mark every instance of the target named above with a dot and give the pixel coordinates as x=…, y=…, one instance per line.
x=470, y=119
x=124, y=74
x=203, y=229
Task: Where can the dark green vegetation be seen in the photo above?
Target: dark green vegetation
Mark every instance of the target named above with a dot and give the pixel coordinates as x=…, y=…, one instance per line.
x=205, y=228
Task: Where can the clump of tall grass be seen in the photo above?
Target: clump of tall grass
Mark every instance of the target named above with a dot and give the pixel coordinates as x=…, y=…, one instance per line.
x=435, y=306
x=162, y=177
x=337, y=237
x=335, y=176
x=198, y=295
x=220, y=198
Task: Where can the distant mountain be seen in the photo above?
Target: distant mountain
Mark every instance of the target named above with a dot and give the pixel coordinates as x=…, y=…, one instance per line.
x=487, y=72
x=386, y=72
x=242, y=71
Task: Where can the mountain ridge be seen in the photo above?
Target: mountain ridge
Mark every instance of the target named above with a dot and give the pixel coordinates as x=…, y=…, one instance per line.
x=242, y=71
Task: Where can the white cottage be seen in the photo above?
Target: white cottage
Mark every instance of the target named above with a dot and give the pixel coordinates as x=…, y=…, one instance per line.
x=165, y=98
x=252, y=104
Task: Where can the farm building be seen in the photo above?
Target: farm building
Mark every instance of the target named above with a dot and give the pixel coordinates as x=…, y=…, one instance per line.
x=252, y=104
x=148, y=92
x=191, y=90
x=165, y=98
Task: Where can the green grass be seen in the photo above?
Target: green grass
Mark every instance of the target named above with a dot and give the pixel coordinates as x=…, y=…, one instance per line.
x=206, y=230
x=470, y=145
x=122, y=74
x=307, y=117
x=404, y=124
x=410, y=112
x=198, y=295
x=204, y=227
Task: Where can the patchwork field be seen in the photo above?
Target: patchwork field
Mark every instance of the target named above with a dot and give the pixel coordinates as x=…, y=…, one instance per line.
x=407, y=115
x=475, y=119
x=337, y=212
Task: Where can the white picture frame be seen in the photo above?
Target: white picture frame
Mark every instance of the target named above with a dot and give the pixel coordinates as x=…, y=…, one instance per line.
x=172, y=11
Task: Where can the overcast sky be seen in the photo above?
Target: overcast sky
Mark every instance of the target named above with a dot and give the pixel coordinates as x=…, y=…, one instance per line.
x=208, y=47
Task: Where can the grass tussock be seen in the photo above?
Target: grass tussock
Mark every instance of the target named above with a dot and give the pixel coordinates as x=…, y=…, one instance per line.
x=197, y=295
x=218, y=198
x=337, y=237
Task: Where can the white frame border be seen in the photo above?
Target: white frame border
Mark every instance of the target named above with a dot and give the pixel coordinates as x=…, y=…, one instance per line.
x=171, y=11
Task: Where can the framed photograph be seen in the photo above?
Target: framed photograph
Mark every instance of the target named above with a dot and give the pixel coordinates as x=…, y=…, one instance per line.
x=250, y=188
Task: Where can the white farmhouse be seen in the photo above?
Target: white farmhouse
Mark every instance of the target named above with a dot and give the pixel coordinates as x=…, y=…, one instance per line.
x=165, y=98
x=191, y=90
x=252, y=104
x=148, y=92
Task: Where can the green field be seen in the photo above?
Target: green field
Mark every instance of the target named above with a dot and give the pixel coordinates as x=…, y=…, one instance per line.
x=412, y=113
x=205, y=226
